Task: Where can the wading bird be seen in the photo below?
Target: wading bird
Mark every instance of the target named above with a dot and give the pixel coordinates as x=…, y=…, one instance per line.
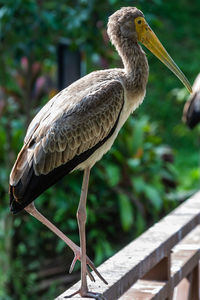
x=191, y=111
x=79, y=125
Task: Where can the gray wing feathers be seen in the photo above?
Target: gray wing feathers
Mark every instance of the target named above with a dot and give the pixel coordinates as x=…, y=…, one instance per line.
x=80, y=128
x=57, y=135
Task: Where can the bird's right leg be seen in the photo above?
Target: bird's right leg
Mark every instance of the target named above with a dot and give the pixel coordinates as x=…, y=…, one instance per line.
x=31, y=209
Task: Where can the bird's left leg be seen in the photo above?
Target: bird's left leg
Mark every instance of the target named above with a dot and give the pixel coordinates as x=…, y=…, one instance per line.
x=31, y=209
x=81, y=217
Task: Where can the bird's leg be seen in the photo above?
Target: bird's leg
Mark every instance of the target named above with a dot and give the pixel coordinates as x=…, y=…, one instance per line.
x=81, y=217
x=31, y=209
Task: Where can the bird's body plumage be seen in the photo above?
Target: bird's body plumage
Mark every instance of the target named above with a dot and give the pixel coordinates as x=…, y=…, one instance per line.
x=74, y=130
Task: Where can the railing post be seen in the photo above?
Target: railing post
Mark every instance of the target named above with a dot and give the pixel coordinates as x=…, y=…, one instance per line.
x=161, y=272
x=189, y=287
x=182, y=290
x=195, y=283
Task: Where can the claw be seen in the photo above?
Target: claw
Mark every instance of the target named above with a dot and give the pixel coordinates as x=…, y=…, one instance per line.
x=73, y=264
x=77, y=256
x=75, y=293
x=96, y=296
x=92, y=266
x=90, y=275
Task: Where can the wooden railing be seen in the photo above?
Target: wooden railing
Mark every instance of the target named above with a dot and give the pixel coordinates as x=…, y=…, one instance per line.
x=163, y=263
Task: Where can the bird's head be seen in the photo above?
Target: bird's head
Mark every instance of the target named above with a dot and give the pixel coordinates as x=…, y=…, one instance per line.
x=129, y=23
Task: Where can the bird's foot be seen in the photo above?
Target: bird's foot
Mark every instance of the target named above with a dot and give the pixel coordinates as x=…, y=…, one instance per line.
x=88, y=294
x=96, y=296
x=77, y=256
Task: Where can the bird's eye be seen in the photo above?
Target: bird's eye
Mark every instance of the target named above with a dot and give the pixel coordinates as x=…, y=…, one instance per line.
x=139, y=22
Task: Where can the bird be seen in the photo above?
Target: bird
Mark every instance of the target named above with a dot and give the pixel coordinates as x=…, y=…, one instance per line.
x=191, y=111
x=79, y=125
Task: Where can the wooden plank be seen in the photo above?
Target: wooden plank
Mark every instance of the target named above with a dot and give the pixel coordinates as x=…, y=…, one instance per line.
x=140, y=256
x=184, y=260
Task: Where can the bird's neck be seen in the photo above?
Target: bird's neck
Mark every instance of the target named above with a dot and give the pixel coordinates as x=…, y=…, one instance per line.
x=135, y=64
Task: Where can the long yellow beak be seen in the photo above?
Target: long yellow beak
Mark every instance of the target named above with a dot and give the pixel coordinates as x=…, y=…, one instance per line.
x=148, y=38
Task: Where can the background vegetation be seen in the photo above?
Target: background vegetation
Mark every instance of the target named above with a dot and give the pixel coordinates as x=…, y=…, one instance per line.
x=152, y=166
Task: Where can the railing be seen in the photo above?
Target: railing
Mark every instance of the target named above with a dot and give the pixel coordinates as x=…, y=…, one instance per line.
x=163, y=263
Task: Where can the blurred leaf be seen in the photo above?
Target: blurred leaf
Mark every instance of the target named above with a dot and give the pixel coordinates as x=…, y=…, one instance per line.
x=139, y=184
x=113, y=174
x=154, y=196
x=126, y=212
x=99, y=253
x=141, y=224
x=134, y=163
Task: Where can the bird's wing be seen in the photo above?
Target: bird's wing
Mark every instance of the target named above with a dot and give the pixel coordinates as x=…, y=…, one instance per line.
x=61, y=135
x=79, y=128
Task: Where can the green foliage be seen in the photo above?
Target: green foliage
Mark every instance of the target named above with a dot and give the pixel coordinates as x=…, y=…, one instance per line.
x=134, y=184
x=126, y=213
